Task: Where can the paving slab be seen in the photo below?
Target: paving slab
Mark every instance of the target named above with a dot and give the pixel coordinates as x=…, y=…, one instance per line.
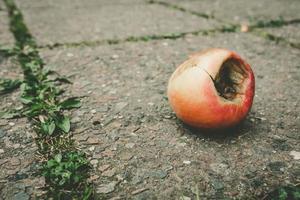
x=17, y=146
x=291, y=32
x=6, y=38
x=60, y=21
x=243, y=11
x=141, y=151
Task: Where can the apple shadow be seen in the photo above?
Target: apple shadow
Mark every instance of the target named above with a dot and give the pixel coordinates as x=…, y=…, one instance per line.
x=222, y=135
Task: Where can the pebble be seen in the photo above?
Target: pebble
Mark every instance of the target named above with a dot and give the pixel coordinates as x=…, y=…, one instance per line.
x=94, y=162
x=11, y=123
x=70, y=54
x=187, y=162
x=295, y=154
x=92, y=148
x=1, y=151
x=107, y=188
x=115, y=56
x=93, y=111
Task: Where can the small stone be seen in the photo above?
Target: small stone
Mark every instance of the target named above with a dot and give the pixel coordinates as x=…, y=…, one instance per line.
x=15, y=161
x=94, y=162
x=92, y=148
x=295, y=154
x=93, y=111
x=115, y=56
x=11, y=123
x=70, y=55
x=107, y=188
x=109, y=173
x=244, y=28
x=187, y=162
x=102, y=168
x=1, y=151
x=15, y=146
x=129, y=145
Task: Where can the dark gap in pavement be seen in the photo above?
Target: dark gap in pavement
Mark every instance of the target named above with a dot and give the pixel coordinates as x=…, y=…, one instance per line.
x=146, y=38
x=260, y=24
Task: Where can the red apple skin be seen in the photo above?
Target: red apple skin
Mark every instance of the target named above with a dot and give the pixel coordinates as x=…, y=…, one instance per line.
x=194, y=98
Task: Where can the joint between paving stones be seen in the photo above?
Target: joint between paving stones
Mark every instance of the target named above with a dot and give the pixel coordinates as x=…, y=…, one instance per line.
x=277, y=23
x=175, y=7
x=35, y=78
x=145, y=38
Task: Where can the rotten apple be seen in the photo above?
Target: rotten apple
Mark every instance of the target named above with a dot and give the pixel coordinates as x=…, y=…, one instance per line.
x=213, y=89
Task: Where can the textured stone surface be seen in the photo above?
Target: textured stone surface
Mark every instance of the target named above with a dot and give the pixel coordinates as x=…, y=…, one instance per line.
x=68, y=22
x=243, y=11
x=6, y=38
x=139, y=149
x=291, y=32
x=137, y=73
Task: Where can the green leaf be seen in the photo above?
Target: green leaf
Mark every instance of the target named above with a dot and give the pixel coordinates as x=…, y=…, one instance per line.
x=26, y=99
x=69, y=103
x=64, y=124
x=10, y=114
x=7, y=85
x=51, y=163
x=87, y=192
x=51, y=128
x=58, y=158
x=63, y=80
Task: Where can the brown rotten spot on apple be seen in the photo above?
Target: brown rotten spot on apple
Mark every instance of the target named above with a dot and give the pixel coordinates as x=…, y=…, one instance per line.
x=228, y=81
